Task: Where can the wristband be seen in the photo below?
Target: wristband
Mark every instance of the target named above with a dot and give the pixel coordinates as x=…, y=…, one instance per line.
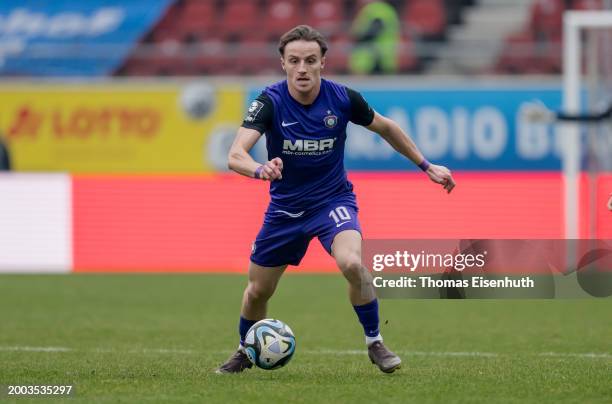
x=424, y=165
x=258, y=171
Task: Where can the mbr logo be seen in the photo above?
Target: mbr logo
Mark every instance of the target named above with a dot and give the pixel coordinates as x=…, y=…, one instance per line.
x=308, y=145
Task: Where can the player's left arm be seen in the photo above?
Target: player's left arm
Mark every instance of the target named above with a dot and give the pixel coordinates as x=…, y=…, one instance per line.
x=362, y=114
x=403, y=144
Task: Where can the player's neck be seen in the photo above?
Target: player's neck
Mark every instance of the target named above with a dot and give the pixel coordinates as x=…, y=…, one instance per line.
x=305, y=98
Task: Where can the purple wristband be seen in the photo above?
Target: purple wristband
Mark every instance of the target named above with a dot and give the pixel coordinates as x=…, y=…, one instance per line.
x=257, y=173
x=424, y=165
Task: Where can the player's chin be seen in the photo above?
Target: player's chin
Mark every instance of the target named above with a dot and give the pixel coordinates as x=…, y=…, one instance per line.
x=303, y=84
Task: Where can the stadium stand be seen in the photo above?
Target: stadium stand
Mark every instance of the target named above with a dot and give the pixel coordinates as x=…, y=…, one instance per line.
x=536, y=47
x=426, y=18
x=215, y=37
x=327, y=16
x=228, y=37
x=282, y=15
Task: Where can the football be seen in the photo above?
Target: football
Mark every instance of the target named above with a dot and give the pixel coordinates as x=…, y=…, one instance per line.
x=197, y=100
x=269, y=344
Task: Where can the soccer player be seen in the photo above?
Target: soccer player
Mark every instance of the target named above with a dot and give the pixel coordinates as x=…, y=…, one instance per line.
x=304, y=118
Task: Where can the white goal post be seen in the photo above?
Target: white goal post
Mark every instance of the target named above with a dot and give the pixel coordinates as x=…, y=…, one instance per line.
x=574, y=22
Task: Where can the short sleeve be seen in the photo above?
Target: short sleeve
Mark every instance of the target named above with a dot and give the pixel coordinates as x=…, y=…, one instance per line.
x=259, y=115
x=361, y=113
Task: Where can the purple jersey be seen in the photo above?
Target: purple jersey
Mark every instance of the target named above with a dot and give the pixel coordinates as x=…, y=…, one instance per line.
x=310, y=140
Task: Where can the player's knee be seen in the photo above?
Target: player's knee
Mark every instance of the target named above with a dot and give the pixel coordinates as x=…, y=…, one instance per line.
x=351, y=267
x=259, y=291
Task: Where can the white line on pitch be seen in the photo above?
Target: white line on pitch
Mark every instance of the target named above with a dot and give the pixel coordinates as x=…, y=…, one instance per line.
x=587, y=355
x=35, y=348
x=97, y=350
x=578, y=355
x=409, y=353
x=148, y=351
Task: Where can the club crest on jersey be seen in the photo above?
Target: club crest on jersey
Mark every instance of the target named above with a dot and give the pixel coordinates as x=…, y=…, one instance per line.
x=330, y=120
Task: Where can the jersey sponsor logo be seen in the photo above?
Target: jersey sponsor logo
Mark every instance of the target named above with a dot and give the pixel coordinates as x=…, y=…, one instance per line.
x=253, y=110
x=340, y=224
x=308, y=147
x=285, y=124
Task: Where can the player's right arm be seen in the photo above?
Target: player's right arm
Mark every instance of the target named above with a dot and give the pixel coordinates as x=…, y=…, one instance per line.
x=257, y=122
x=240, y=160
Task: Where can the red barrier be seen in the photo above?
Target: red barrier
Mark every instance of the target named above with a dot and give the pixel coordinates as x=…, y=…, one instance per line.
x=208, y=223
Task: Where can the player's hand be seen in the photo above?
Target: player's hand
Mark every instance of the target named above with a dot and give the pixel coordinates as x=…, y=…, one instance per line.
x=536, y=112
x=272, y=170
x=441, y=175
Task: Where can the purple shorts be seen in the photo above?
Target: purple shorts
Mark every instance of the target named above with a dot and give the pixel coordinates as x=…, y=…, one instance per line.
x=284, y=236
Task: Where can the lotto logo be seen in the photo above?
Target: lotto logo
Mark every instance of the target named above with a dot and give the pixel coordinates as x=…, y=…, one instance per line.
x=308, y=145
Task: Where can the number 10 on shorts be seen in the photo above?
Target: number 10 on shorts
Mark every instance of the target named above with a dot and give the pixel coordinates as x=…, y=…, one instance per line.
x=340, y=215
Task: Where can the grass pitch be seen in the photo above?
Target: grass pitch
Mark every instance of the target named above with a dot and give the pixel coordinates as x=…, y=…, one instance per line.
x=157, y=338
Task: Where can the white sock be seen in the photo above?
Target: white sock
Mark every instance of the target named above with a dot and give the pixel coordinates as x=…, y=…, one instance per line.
x=371, y=340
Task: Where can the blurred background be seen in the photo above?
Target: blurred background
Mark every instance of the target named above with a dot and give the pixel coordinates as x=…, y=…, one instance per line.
x=116, y=118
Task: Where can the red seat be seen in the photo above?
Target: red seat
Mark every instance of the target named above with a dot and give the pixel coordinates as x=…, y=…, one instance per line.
x=256, y=56
x=167, y=65
x=407, y=60
x=197, y=18
x=517, y=53
x=549, y=57
x=547, y=18
x=166, y=27
x=425, y=17
x=169, y=19
x=336, y=60
x=240, y=18
x=281, y=16
x=166, y=35
x=136, y=67
x=359, y=4
x=326, y=16
x=213, y=58
x=588, y=5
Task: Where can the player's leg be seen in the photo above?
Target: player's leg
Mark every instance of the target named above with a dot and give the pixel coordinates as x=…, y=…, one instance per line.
x=346, y=249
x=340, y=234
x=278, y=244
x=262, y=284
x=339, y=231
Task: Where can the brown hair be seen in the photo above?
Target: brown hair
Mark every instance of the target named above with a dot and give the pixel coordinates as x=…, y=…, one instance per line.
x=302, y=33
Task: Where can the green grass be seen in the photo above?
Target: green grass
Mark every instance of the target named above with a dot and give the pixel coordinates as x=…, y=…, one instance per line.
x=157, y=338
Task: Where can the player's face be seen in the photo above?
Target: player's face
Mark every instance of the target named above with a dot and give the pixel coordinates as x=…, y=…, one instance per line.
x=303, y=63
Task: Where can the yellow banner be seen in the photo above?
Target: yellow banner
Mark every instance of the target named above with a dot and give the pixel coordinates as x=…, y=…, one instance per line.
x=119, y=127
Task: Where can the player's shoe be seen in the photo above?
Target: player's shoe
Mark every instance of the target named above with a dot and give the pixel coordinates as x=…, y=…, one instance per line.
x=386, y=360
x=236, y=363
